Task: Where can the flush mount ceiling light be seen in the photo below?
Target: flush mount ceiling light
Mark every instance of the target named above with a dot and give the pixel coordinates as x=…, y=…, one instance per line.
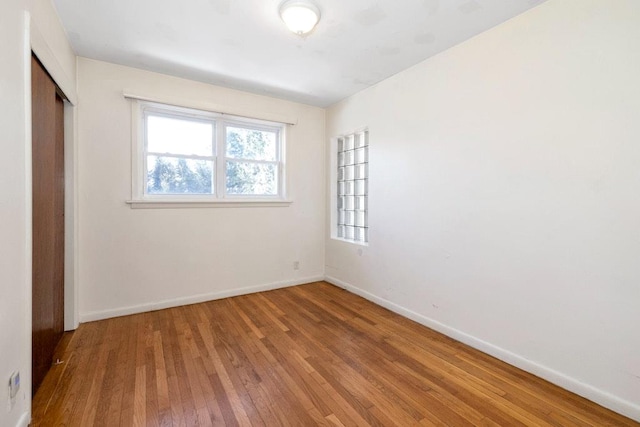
x=300, y=16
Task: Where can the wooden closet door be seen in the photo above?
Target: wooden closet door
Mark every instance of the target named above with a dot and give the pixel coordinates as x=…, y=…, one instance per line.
x=48, y=221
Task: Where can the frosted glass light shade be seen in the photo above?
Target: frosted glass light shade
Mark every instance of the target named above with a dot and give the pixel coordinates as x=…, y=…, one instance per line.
x=300, y=16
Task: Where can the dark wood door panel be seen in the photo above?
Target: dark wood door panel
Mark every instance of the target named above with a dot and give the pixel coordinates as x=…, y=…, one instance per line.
x=48, y=220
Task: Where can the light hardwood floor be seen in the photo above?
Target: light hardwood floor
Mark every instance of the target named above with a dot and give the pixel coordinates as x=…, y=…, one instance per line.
x=302, y=356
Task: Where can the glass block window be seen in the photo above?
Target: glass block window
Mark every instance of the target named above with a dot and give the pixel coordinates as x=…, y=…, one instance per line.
x=352, y=187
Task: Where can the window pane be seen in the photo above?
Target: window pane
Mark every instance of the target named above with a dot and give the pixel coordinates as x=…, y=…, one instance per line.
x=349, y=218
x=361, y=234
x=349, y=188
x=361, y=203
x=350, y=233
x=348, y=144
x=252, y=178
x=361, y=155
x=349, y=173
x=349, y=157
x=349, y=203
x=361, y=140
x=179, y=136
x=171, y=175
x=251, y=144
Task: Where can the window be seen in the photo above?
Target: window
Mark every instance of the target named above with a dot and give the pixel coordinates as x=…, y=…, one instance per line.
x=352, y=187
x=193, y=155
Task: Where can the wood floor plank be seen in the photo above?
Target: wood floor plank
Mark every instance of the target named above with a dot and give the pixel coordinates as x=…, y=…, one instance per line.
x=300, y=356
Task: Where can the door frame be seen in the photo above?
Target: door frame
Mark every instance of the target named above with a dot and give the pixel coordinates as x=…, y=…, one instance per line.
x=37, y=44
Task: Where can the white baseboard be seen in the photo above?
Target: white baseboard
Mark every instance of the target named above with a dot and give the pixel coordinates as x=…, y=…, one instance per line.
x=24, y=420
x=587, y=391
x=194, y=299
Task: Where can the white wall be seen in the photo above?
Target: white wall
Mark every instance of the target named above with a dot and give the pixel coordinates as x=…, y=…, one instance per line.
x=49, y=42
x=15, y=300
x=15, y=186
x=504, y=195
x=139, y=259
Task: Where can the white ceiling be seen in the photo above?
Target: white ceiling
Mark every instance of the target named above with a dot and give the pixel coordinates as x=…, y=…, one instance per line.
x=243, y=44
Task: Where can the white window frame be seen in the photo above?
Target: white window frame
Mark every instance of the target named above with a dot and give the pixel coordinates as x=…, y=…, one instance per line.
x=219, y=198
x=335, y=182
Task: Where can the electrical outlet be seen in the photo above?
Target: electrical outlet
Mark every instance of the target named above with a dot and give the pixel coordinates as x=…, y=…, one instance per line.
x=14, y=385
x=296, y=265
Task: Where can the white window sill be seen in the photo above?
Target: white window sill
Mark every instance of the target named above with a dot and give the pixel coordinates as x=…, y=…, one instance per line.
x=228, y=203
x=353, y=242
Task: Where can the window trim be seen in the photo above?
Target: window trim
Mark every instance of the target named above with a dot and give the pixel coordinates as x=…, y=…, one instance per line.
x=190, y=203
x=141, y=199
